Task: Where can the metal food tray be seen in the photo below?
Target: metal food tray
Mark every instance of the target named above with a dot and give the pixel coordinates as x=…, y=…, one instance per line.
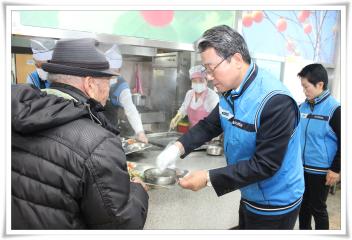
x=136, y=147
x=162, y=139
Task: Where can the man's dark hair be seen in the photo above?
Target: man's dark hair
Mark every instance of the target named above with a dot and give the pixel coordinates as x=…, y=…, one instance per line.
x=315, y=73
x=226, y=42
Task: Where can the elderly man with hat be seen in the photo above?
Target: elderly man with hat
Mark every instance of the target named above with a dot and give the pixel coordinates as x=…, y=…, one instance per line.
x=120, y=97
x=69, y=170
x=42, y=52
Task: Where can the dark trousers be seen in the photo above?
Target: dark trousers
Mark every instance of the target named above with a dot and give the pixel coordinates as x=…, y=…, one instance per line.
x=249, y=220
x=314, y=202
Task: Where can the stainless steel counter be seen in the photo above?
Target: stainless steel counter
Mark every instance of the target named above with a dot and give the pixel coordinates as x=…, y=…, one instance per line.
x=177, y=208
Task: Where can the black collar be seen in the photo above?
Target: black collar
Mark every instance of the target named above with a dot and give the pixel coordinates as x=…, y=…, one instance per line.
x=71, y=90
x=95, y=107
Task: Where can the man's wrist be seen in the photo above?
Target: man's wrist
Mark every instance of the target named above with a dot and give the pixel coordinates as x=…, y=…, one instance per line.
x=208, y=180
x=180, y=147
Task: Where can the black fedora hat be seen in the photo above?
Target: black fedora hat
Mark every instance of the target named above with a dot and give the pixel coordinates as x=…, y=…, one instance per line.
x=78, y=57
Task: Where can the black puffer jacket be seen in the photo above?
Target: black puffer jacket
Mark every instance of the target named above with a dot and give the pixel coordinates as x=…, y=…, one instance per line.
x=68, y=170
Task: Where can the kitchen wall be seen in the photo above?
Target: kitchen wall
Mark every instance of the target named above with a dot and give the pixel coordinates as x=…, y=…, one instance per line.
x=128, y=71
x=24, y=65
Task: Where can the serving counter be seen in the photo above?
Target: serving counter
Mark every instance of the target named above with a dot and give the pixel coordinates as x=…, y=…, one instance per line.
x=178, y=208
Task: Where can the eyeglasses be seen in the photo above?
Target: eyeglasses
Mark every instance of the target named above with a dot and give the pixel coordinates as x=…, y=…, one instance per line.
x=209, y=71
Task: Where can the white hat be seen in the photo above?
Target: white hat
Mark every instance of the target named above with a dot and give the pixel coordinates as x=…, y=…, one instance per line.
x=42, y=49
x=114, y=57
x=196, y=72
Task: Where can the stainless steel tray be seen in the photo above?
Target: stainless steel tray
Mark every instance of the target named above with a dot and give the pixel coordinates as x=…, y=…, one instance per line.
x=162, y=139
x=135, y=147
x=164, y=134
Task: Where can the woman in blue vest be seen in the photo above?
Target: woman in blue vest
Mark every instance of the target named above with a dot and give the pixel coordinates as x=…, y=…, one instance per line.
x=120, y=97
x=260, y=122
x=42, y=52
x=320, y=139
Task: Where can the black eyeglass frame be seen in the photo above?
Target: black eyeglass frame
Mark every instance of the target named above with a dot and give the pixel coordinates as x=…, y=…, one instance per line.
x=210, y=72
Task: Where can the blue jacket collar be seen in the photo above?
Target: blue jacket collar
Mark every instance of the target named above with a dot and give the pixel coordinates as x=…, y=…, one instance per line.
x=324, y=95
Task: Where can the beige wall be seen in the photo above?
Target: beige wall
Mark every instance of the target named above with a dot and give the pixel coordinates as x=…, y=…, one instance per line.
x=23, y=67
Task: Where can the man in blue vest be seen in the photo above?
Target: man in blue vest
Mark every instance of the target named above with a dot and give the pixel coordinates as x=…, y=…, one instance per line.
x=42, y=52
x=120, y=97
x=320, y=139
x=260, y=122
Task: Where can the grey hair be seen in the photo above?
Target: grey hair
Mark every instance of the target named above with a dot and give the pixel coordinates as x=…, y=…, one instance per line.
x=225, y=41
x=63, y=78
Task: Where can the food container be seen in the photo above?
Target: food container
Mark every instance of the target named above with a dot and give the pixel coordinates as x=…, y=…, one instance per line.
x=156, y=176
x=182, y=127
x=138, y=99
x=131, y=145
x=215, y=150
x=162, y=139
x=165, y=177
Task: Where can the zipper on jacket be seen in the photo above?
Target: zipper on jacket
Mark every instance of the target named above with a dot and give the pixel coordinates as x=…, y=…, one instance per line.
x=231, y=104
x=311, y=106
x=92, y=117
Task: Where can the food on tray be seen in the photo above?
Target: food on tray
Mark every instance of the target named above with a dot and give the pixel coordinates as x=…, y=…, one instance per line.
x=132, y=145
x=131, y=141
x=130, y=166
x=131, y=171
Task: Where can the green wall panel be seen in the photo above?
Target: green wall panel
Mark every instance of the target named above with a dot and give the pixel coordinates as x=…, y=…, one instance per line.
x=40, y=18
x=185, y=26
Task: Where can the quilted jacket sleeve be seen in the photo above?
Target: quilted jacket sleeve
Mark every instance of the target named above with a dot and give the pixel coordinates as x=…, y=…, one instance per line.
x=110, y=200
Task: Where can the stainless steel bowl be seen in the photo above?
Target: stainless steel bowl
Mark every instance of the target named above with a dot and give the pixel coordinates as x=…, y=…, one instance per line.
x=215, y=150
x=156, y=176
x=166, y=177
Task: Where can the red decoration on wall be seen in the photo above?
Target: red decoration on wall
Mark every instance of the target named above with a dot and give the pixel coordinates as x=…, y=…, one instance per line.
x=158, y=18
x=307, y=28
x=257, y=16
x=281, y=25
x=290, y=46
x=247, y=20
x=306, y=13
x=303, y=15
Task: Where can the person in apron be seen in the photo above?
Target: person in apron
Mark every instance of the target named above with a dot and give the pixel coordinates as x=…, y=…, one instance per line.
x=120, y=97
x=199, y=101
x=42, y=52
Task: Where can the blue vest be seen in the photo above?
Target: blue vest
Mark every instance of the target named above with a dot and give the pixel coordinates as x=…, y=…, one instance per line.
x=240, y=119
x=319, y=141
x=33, y=78
x=116, y=89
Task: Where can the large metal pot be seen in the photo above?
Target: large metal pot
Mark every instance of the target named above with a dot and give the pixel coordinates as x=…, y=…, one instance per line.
x=215, y=150
x=138, y=99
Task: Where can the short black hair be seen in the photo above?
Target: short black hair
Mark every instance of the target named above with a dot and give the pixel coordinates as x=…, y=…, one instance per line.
x=225, y=40
x=315, y=73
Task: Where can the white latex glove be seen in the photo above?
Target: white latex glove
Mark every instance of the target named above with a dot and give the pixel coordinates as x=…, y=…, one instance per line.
x=142, y=137
x=176, y=120
x=167, y=158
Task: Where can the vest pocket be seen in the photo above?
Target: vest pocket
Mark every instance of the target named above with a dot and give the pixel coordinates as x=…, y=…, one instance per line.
x=253, y=193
